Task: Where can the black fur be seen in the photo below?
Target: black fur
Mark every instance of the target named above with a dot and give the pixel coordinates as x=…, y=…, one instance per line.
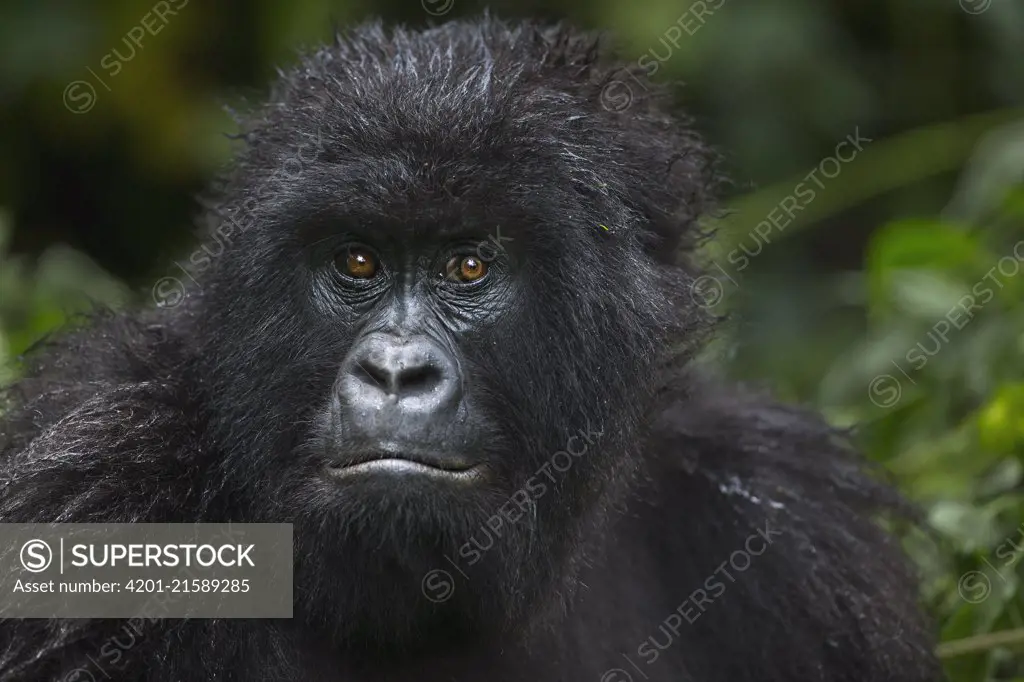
x=220, y=408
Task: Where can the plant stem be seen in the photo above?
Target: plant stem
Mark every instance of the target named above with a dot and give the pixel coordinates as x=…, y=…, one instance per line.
x=979, y=643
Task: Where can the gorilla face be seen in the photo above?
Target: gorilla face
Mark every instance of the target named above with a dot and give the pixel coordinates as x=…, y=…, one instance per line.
x=403, y=403
x=445, y=330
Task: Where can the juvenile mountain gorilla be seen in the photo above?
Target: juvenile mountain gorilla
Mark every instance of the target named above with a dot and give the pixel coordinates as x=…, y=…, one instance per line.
x=442, y=322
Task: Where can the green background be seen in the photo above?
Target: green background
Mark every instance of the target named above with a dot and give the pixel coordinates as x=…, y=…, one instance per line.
x=851, y=307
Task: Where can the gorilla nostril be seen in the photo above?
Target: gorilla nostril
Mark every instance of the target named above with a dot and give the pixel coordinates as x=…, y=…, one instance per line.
x=418, y=379
x=371, y=374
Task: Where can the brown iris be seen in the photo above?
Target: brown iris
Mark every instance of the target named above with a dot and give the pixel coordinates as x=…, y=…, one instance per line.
x=466, y=268
x=359, y=263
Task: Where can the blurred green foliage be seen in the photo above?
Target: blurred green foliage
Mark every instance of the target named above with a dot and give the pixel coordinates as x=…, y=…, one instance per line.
x=893, y=300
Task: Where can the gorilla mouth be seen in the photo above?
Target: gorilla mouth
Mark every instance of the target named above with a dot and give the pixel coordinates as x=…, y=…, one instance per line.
x=449, y=467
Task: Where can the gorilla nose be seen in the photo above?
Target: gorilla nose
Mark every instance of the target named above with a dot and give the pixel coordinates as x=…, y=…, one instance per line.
x=415, y=372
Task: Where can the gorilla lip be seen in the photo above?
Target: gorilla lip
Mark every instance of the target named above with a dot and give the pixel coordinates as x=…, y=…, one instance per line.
x=405, y=464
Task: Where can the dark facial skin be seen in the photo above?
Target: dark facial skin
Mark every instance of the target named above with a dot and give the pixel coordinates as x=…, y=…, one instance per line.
x=401, y=405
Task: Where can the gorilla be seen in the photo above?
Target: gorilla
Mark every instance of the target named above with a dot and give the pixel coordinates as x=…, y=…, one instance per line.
x=442, y=320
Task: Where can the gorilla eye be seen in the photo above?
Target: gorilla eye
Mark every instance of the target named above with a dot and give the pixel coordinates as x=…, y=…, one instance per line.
x=465, y=269
x=358, y=262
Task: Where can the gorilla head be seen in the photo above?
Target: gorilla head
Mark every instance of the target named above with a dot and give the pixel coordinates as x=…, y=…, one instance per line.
x=447, y=300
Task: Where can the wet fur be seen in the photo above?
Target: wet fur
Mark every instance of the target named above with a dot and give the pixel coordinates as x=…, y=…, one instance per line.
x=196, y=413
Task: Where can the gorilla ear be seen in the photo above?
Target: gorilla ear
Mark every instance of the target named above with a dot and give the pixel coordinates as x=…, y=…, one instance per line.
x=673, y=175
x=664, y=173
x=680, y=190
